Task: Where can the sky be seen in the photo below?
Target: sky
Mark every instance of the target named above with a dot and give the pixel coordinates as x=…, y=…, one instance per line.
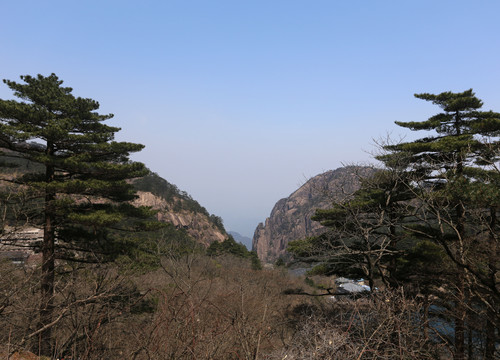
x=240, y=102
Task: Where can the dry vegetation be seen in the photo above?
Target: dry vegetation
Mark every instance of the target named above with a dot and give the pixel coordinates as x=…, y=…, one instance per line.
x=197, y=307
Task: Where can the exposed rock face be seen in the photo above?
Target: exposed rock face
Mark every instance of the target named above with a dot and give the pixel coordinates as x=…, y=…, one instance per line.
x=196, y=224
x=173, y=205
x=290, y=218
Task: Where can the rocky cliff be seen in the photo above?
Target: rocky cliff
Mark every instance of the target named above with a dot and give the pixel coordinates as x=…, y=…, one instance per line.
x=290, y=218
x=179, y=209
x=173, y=205
x=197, y=225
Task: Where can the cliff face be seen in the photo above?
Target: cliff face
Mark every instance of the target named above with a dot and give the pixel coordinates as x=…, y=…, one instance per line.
x=290, y=218
x=173, y=205
x=197, y=225
x=178, y=208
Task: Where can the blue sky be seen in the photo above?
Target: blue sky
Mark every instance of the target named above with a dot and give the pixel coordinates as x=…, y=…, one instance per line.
x=240, y=102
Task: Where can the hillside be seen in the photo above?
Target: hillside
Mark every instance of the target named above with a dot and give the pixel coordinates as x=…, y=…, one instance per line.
x=173, y=205
x=178, y=208
x=290, y=218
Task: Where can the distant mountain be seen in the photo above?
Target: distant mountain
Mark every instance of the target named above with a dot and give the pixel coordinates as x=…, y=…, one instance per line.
x=245, y=240
x=290, y=218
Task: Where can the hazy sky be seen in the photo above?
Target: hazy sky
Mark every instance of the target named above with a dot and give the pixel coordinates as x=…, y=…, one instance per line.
x=239, y=102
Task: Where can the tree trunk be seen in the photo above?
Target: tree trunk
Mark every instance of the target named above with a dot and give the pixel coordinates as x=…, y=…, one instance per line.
x=460, y=309
x=371, y=272
x=492, y=270
x=45, y=343
x=460, y=313
x=392, y=263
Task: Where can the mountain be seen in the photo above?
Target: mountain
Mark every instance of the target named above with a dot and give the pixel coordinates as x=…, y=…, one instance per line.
x=172, y=205
x=178, y=208
x=290, y=218
x=245, y=240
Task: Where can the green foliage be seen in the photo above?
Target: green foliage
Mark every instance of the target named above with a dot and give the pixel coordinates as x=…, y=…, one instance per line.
x=158, y=186
x=80, y=178
x=407, y=218
x=231, y=247
x=426, y=265
x=280, y=262
x=228, y=246
x=68, y=156
x=456, y=172
x=217, y=221
x=254, y=258
x=321, y=269
x=462, y=130
x=302, y=248
x=456, y=169
x=361, y=236
x=142, y=252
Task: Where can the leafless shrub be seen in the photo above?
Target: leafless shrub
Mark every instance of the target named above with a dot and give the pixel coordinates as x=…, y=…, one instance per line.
x=198, y=307
x=88, y=302
x=211, y=309
x=385, y=327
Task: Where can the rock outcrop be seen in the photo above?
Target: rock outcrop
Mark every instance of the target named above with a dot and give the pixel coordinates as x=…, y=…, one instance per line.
x=172, y=205
x=197, y=224
x=290, y=218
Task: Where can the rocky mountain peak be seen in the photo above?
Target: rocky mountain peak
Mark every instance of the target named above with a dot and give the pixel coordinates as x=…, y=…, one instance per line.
x=290, y=218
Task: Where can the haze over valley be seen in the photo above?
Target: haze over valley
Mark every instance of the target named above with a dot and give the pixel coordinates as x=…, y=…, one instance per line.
x=250, y=180
x=240, y=103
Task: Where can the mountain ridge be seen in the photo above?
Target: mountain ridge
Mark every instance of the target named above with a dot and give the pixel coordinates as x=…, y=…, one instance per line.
x=290, y=218
x=171, y=204
x=179, y=209
x=245, y=240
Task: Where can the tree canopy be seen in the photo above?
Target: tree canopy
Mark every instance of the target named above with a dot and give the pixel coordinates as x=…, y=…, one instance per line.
x=428, y=218
x=79, y=184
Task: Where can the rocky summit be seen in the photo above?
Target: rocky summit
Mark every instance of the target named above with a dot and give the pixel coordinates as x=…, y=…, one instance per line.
x=290, y=218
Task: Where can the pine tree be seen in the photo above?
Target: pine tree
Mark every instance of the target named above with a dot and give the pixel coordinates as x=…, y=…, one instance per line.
x=363, y=234
x=450, y=166
x=79, y=181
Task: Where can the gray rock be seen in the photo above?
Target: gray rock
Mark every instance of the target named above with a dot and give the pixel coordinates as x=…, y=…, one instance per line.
x=290, y=218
